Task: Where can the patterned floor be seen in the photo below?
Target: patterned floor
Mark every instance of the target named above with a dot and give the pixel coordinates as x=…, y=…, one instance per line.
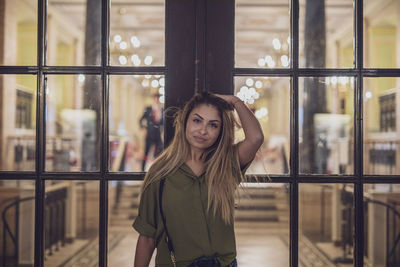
x=88, y=255
x=254, y=249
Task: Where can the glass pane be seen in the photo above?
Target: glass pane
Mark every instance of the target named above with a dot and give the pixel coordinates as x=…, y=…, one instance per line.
x=326, y=225
x=381, y=34
x=269, y=99
x=137, y=33
x=262, y=34
x=262, y=225
x=123, y=201
x=382, y=225
x=381, y=143
x=17, y=208
x=18, y=122
x=18, y=32
x=73, y=33
x=326, y=32
x=136, y=131
x=71, y=223
x=73, y=122
x=326, y=125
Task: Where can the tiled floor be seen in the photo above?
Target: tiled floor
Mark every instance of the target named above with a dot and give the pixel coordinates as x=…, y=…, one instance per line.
x=256, y=247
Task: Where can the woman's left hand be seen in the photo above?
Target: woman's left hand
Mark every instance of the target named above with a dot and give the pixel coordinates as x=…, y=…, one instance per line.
x=231, y=99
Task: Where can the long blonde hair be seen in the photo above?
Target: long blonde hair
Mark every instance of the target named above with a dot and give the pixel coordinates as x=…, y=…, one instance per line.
x=222, y=163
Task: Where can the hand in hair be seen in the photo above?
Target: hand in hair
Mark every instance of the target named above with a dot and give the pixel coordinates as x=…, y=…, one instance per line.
x=254, y=136
x=231, y=99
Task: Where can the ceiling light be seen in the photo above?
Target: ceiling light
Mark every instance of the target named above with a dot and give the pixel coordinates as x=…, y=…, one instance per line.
x=145, y=83
x=135, y=41
x=271, y=64
x=249, y=82
x=148, y=60
x=81, y=78
x=327, y=80
x=261, y=62
x=122, y=60
x=123, y=45
x=343, y=80
x=154, y=83
x=276, y=43
x=117, y=38
x=162, y=81
x=285, y=60
x=135, y=60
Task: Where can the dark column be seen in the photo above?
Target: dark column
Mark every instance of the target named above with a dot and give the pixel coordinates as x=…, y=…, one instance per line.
x=180, y=56
x=220, y=46
x=314, y=98
x=92, y=90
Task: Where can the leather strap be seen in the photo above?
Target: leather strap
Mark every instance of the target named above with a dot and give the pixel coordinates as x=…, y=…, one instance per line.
x=167, y=237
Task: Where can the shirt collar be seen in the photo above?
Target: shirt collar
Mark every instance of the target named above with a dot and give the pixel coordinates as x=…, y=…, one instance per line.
x=188, y=171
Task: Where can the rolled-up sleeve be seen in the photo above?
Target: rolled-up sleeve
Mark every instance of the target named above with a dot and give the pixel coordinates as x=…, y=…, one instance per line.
x=146, y=221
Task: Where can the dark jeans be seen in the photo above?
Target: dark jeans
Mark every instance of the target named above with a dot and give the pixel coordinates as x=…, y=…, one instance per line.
x=210, y=262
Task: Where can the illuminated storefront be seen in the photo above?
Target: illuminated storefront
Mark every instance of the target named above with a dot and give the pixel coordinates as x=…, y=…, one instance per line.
x=85, y=88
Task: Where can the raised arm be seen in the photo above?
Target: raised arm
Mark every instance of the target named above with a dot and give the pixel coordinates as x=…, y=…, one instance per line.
x=254, y=136
x=144, y=250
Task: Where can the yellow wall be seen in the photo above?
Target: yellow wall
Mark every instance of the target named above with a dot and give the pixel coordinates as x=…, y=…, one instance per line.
x=65, y=54
x=27, y=44
x=64, y=91
x=346, y=57
x=382, y=44
x=381, y=54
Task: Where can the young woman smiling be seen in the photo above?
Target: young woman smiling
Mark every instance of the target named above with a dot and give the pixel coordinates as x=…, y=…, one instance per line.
x=187, y=202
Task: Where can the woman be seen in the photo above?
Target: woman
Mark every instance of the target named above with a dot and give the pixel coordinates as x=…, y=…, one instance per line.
x=201, y=170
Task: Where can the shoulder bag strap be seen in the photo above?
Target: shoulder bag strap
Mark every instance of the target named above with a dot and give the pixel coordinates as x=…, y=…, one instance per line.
x=167, y=238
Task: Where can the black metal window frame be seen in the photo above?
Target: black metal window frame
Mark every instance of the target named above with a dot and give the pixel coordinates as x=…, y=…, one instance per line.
x=199, y=75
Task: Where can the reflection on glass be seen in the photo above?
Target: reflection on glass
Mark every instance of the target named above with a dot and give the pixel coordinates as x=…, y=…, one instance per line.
x=18, y=32
x=73, y=122
x=17, y=211
x=123, y=204
x=262, y=34
x=71, y=223
x=137, y=33
x=268, y=98
x=262, y=224
x=381, y=137
x=381, y=34
x=326, y=224
x=136, y=131
x=18, y=123
x=382, y=224
x=326, y=34
x=326, y=125
x=73, y=33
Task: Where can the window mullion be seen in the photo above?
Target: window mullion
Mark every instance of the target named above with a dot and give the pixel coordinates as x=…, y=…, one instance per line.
x=294, y=133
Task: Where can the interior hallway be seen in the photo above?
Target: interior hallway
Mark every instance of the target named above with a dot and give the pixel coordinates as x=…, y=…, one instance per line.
x=256, y=247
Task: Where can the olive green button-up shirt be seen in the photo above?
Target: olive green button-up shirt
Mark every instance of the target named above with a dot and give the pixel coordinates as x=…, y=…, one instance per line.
x=194, y=231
